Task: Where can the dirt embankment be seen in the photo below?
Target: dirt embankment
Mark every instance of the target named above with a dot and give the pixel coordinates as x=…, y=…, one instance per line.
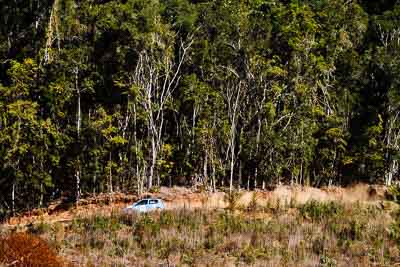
x=182, y=197
x=179, y=197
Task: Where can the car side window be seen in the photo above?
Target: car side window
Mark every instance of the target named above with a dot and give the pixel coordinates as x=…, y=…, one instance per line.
x=153, y=201
x=143, y=202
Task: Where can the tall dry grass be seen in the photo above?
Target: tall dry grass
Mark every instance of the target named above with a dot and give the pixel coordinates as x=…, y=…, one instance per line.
x=276, y=234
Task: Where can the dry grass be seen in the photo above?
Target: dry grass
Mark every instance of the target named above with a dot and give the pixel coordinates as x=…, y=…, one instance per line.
x=25, y=250
x=180, y=197
x=275, y=234
x=285, y=227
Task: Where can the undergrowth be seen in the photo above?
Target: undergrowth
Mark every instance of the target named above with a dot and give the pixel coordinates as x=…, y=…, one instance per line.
x=311, y=234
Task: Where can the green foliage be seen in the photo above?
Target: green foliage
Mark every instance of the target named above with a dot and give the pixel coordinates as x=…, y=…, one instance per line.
x=97, y=223
x=393, y=193
x=394, y=231
x=102, y=95
x=253, y=202
x=317, y=211
x=232, y=198
x=326, y=261
x=40, y=228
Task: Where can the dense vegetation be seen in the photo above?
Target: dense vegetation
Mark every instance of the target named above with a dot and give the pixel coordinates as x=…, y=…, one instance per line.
x=124, y=95
x=312, y=234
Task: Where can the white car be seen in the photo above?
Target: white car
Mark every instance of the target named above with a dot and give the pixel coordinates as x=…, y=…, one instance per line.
x=146, y=205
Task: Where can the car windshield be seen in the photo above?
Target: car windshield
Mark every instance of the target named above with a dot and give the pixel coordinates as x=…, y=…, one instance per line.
x=142, y=202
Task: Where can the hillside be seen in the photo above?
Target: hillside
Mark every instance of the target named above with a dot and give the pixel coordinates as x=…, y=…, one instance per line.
x=185, y=198
x=290, y=226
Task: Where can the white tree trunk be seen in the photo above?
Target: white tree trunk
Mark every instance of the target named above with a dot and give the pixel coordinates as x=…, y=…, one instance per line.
x=205, y=164
x=78, y=184
x=232, y=166
x=41, y=195
x=233, y=97
x=78, y=130
x=393, y=169
x=153, y=162
x=13, y=198
x=156, y=87
x=110, y=184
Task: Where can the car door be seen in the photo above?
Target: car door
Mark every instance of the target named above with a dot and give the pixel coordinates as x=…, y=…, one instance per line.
x=153, y=204
x=141, y=206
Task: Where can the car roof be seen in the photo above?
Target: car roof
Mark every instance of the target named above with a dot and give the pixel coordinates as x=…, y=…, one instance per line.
x=150, y=199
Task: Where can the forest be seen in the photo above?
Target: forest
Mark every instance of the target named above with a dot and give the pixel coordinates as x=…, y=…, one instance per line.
x=129, y=95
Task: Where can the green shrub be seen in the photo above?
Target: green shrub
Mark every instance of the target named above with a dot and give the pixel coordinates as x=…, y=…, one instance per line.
x=103, y=223
x=318, y=245
x=317, y=211
x=326, y=261
x=127, y=219
x=40, y=228
x=353, y=230
x=229, y=223
x=144, y=229
x=168, y=247
x=232, y=198
x=155, y=189
x=348, y=230
x=121, y=247
x=167, y=218
x=394, y=232
x=95, y=242
x=248, y=255
x=211, y=238
x=96, y=223
x=393, y=193
x=253, y=206
x=186, y=218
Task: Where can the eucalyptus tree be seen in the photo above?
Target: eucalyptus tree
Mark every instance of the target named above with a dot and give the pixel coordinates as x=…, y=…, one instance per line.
x=387, y=29
x=156, y=77
x=106, y=96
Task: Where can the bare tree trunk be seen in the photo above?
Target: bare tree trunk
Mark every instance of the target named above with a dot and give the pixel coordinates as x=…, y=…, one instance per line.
x=41, y=195
x=13, y=198
x=110, y=185
x=232, y=166
x=205, y=164
x=193, y=128
x=142, y=175
x=240, y=173
x=213, y=182
x=52, y=28
x=257, y=147
x=392, y=170
x=153, y=162
x=233, y=114
x=138, y=174
x=95, y=175
x=78, y=130
x=78, y=182
x=79, y=115
x=157, y=85
x=392, y=137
